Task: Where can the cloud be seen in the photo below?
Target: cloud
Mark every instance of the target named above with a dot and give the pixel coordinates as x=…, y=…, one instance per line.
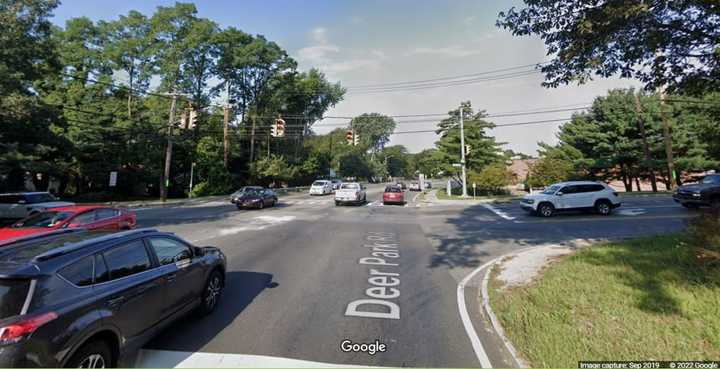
x=453, y=51
x=332, y=59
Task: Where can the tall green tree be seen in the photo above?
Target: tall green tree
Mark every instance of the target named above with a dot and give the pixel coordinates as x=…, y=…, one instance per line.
x=373, y=129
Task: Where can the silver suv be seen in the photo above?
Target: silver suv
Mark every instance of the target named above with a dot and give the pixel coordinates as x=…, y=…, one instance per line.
x=574, y=195
x=20, y=205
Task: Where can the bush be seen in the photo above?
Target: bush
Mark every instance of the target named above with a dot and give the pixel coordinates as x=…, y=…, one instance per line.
x=704, y=238
x=492, y=180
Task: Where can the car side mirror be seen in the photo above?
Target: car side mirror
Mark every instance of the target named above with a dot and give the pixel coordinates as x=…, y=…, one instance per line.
x=559, y=193
x=199, y=251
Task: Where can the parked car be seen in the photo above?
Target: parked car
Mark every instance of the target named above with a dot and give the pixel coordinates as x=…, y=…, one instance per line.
x=401, y=185
x=90, y=217
x=393, y=195
x=257, y=199
x=235, y=195
x=574, y=195
x=336, y=183
x=704, y=193
x=321, y=187
x=350, y=193
x=428, y=184
x=76, y=298
x=414, y=186
x=19, y=205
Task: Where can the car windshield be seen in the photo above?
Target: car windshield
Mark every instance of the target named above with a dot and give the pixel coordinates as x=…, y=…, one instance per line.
x=393, y=189
x=43, y=220
x=711, y=180
x=319, y=183
x=36, y=198
x=551, y=190
x=350, y=186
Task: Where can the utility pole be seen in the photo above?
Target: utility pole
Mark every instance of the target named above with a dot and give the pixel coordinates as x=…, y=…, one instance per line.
x=226, y=123
x=462, y=154
x=646, y=148
x=668, y=140
x=165, y=180
x=252, y=139
x=268, y=146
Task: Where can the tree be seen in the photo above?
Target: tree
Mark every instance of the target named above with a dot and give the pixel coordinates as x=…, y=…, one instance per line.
x=673, y=43
x=352, y=163
x=483, y=148
x=374, y=130
x=397, y=161
x=428, y=162
x=131, y=49
x=273, y=169
x=549, y=170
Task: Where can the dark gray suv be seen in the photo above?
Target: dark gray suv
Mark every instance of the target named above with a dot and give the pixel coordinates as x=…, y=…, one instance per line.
x=77, y=298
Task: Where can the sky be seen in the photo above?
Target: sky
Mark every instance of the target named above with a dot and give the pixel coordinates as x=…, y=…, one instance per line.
x=382, y=41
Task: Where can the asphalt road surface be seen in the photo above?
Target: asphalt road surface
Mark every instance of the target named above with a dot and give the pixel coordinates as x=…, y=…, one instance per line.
x=306, y=275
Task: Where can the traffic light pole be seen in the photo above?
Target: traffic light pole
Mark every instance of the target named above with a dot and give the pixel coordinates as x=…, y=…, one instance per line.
x=462, y=154
x=168, y=151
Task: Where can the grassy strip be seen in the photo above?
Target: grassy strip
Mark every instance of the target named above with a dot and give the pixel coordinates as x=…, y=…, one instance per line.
x=633, y=300
x=442, y=195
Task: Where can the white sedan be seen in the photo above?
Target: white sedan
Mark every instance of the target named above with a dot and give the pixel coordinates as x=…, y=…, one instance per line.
x=352, y=193
x=321, y=187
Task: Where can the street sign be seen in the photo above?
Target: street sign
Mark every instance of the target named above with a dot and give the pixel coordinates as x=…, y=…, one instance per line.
x=113, y=179
x=457, y=165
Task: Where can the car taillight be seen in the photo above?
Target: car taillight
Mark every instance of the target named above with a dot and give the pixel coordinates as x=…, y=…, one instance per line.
x=16, y=331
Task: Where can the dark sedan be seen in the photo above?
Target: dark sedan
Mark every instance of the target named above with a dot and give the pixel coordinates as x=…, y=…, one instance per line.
x=256, y=199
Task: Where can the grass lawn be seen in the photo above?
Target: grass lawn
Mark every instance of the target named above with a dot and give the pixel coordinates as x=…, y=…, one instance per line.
x=442, y=195
x=633, y=300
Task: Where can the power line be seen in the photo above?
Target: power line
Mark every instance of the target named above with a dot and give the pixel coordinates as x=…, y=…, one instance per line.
x=448, y=84
x=444, y=78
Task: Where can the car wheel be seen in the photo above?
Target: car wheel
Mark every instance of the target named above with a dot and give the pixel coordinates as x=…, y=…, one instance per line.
x=337, y=203
x=238, y=206
x=545, y=210
x=715, y=203
x=689, y=205
x=603, y=207
x=211, y=293
x=272, y=204
x=94, y=354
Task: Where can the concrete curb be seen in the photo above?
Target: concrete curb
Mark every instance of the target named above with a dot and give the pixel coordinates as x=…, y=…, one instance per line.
x=485, y=296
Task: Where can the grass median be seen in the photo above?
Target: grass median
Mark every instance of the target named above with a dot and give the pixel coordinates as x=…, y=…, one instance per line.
x=631, y=300
x=442, y=195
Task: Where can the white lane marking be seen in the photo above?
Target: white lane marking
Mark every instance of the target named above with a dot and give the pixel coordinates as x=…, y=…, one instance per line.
x=370, y=204
x=498, y=212
x=465, y=317
x=188, y=359
x=631, y=212
x=257, y=224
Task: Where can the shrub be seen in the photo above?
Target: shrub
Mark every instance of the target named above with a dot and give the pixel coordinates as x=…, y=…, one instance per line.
x=492, y=180
x=704, y=238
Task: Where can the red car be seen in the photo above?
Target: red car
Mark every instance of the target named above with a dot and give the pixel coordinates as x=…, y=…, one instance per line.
x=89, y=216
x=393, y=195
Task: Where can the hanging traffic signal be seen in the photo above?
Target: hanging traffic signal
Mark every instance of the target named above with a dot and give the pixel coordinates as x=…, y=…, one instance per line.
x=356, y=139
x=192, y=119
x=349, y=137
x=184, y=119
x=467, y=149
x=279, y=127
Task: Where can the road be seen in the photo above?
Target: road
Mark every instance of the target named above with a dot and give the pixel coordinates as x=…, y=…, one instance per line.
x=293, y=270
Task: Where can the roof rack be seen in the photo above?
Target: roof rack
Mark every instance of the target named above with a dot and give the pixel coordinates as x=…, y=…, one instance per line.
x=70, y=247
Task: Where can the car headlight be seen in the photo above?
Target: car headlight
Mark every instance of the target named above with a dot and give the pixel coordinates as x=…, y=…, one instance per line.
x=696, y=194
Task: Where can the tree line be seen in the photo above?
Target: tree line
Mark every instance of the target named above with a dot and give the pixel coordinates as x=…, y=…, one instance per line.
x=89, y=98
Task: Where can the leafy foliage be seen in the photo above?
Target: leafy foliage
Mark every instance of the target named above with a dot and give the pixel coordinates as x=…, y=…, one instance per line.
x=492, y=180
x=658, y=42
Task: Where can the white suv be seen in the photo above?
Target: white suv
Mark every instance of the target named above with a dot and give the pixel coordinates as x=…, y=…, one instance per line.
x=321, y=187
x=20, y=205
x=575, y=195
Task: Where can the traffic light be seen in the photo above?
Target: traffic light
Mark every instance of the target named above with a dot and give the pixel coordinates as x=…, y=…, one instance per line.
x=184, y=119
x=279, y=129
x=349, y=137
x=467, y=149
x=193, y=119
x=356, y=139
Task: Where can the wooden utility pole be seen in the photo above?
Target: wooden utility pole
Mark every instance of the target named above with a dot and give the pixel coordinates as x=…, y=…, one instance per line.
x=226, y=124
x=268, y=146
x=165, y=180
x=252, y=139
x=668, y=140
x=646, y=148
